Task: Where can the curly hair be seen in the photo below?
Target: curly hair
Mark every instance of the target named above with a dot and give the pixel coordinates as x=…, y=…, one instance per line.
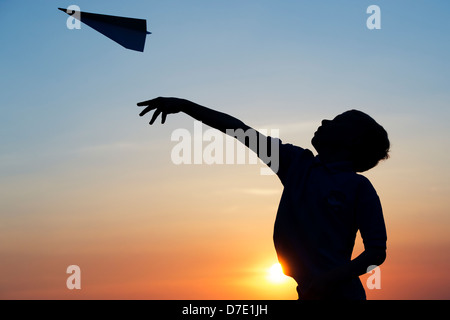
x=371, y=146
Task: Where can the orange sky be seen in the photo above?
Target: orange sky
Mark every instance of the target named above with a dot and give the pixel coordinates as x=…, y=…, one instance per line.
x=84, y=181
x=190, y=232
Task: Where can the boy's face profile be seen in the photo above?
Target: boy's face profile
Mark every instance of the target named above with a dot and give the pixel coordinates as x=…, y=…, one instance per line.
x=335, y=137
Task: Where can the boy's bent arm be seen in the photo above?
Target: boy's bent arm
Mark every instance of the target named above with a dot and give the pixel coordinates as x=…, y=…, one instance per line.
x=358, y=266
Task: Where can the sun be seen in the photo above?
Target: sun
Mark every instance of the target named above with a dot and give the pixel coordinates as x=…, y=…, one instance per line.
x=276, y=275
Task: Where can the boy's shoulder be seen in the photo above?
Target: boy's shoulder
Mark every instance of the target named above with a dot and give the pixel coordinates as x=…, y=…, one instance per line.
x=365, y=188
x=363, y=180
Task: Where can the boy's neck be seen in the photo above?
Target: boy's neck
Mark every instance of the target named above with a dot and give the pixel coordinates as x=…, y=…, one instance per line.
x=332, y=157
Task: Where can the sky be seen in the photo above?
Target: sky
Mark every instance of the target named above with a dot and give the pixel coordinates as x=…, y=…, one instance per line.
x=85, y=181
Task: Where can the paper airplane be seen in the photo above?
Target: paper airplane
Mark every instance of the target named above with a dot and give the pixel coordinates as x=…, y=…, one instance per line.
x=128, y=32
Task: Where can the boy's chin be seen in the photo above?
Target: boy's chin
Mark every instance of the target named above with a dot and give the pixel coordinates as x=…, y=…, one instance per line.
x=315, y=143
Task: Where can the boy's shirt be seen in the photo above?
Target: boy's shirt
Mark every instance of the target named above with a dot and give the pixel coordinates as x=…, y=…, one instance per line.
x=321, y=209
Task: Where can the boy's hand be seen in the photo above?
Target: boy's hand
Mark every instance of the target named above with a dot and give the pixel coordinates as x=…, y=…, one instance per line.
x=319, y=287
x=163, y=106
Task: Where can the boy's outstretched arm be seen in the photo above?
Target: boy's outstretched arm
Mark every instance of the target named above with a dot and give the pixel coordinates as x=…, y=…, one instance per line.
x=212, y=118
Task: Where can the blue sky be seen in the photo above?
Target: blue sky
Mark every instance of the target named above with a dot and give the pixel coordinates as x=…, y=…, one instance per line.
x=296, y=57
x=70, y=124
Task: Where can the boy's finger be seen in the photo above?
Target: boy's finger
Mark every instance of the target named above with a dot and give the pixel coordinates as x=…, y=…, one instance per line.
x=149, y=102
x=144, y=103
x=163, y=117
x=149, y=108
x=155, y=115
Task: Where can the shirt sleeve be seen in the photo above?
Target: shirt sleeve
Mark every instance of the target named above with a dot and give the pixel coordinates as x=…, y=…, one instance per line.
x=284, y=157
x=369, y=216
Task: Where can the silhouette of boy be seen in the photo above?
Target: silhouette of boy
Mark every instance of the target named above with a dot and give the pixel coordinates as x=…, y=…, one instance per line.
x=324, y=201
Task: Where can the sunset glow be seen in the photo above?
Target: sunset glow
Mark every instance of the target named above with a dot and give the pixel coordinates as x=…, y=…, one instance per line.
x=85, y=181
x=276, y=274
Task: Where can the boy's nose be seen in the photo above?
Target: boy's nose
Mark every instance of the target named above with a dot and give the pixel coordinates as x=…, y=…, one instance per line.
x=325, y=121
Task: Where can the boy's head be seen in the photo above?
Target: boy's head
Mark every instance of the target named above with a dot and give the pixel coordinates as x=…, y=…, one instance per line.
x=353, y=136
